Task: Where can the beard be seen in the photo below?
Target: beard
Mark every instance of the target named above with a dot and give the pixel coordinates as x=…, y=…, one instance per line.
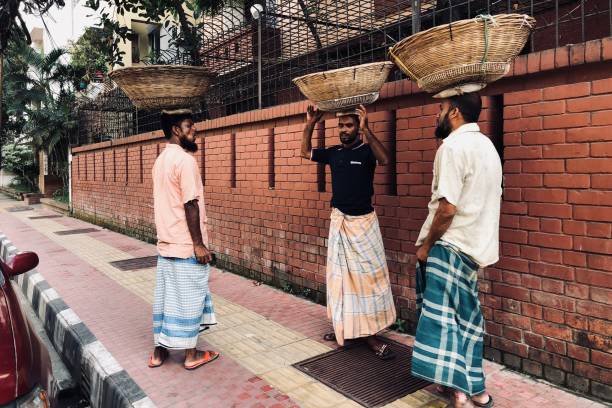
x=443, y=129
x=188, y=145
x=347, y=138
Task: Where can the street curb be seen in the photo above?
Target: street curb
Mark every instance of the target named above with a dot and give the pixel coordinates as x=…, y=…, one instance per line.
x=96, y=371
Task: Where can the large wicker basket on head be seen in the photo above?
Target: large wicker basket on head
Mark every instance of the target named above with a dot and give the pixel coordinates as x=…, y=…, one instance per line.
x=345, y=88
x=163, y=86
x=463, y=56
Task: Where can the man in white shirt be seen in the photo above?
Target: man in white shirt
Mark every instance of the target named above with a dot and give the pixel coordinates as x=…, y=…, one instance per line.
x=460, y=236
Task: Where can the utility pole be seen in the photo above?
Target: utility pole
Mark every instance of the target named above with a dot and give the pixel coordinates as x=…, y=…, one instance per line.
x=259, y=79
x=1, y=105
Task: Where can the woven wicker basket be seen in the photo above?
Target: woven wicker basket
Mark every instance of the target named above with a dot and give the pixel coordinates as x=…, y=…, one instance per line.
x=163, y=86
x=463, y=56
x=344, y=88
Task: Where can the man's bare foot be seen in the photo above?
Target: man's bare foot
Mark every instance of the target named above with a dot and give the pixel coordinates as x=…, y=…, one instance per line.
x=483, y=399
x=158, y=356
x=460, y=400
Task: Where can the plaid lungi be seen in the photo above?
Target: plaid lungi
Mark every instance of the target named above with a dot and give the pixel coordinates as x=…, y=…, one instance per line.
x=183, y=304
x=449, y=338
x=359, y=298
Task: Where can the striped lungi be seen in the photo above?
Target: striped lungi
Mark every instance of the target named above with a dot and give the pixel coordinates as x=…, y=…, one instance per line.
x=183, y=304
x=359, y=298
x=449, y=338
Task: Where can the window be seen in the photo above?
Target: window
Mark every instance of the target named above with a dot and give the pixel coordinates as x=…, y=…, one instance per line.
x=154, y=44
x=134, y=39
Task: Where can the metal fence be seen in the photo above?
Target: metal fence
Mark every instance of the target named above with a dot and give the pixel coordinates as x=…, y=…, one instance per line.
x=257, y=54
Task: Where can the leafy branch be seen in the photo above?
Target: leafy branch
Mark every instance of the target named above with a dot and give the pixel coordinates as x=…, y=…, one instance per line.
x=180, y=18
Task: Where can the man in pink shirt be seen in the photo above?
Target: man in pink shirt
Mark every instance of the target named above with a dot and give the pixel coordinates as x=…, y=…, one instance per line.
x=183, y=306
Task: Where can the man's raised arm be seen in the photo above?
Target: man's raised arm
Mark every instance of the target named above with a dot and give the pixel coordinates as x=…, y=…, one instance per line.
x=313, y=115
x=381, y=154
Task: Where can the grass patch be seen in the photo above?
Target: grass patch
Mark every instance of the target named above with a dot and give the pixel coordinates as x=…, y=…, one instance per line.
x=61, y=195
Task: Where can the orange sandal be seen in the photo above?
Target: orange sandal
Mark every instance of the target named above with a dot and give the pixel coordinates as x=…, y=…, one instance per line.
x=163, y=355
x=209, y=357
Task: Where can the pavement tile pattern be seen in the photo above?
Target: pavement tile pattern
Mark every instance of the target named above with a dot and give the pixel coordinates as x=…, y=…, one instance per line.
x=261, y=332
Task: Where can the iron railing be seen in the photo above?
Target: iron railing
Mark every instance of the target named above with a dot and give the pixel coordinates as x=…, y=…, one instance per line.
x=297, y=37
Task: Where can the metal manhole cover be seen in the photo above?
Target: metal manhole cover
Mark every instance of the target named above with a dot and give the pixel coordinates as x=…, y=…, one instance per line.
x=45, y=217
x=361, y=376
x=135, y=263
x=19, y=208
x=77, y=231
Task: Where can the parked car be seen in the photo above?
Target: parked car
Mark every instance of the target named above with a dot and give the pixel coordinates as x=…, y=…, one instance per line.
x=26, y=376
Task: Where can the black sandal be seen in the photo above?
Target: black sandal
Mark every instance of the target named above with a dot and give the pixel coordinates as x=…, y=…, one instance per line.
x=329, y=337
x=443, y=390
x=488, y=404
x=384, y=352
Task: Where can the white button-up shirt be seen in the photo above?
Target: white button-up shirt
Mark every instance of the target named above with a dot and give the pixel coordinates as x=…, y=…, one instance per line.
x=468, y=174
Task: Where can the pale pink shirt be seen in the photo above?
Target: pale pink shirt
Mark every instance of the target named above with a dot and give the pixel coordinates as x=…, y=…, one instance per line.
x=176, y=181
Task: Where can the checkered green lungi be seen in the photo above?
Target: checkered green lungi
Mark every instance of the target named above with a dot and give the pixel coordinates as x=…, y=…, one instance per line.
x=449, y=339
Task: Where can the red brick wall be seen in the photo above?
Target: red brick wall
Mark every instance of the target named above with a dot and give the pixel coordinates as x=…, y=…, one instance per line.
x=550, y=295
x=547, y=302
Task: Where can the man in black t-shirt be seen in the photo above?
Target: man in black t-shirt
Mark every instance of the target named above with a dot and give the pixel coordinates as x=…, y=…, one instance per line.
x=359, y=299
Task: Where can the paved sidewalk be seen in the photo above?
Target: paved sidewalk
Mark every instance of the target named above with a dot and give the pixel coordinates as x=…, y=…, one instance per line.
x=261, y=332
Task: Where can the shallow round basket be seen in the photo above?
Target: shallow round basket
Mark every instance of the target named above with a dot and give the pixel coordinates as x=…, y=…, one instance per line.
x=347, y=103
x=344, y=88
x=163, y=86
x=463, y=56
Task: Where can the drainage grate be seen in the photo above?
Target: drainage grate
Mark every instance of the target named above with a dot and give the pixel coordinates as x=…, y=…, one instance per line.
x=77, y=231
x=135, y=263
x=45, y=217
x=19, y=208
x=359, y=375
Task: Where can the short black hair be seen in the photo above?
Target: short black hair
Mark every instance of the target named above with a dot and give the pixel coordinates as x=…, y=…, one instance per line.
x=352, y=116
x=469, y=105
x=174, y=118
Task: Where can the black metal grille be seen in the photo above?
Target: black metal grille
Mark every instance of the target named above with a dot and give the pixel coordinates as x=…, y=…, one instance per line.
x=135, y=263
x=361, y=376
x=76, y=231
x=304, y=36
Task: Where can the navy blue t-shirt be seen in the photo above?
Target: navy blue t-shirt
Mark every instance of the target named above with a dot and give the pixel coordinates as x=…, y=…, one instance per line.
x=352, y=172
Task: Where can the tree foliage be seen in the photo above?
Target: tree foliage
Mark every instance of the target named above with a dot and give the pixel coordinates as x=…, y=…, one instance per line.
x=90, y=53
x=179, y=18
x=40, y=90
x=12, y=25
x=13, y=120
x=19, y=159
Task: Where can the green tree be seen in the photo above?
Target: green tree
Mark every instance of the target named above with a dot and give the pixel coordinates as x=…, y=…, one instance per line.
x=12, y=25
x=44, y=96
x=19, y=159
x=13, y=118
x=177, y=17
x=14, y=28
x=91, y=52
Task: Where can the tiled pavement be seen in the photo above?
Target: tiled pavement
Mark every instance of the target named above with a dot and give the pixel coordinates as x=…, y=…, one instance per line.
x=261, y=330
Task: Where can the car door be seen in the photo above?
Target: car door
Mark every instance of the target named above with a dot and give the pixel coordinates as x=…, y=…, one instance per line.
x=8, y=363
